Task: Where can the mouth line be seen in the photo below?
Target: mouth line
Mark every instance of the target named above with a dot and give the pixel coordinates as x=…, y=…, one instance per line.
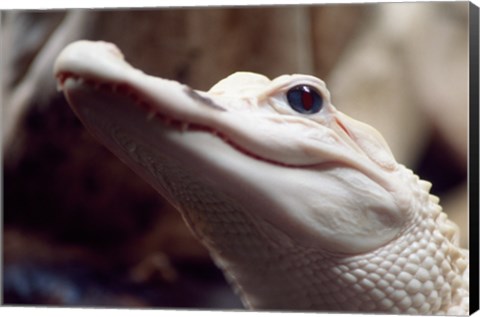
x=129, y=92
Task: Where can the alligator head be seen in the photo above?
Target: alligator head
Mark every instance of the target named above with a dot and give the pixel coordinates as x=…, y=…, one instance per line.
x=265, y=172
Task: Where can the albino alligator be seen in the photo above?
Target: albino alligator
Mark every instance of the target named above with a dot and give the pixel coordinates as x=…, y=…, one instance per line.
x=302, y=207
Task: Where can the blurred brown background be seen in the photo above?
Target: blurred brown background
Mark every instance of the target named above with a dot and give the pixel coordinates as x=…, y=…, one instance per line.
x=80, y=229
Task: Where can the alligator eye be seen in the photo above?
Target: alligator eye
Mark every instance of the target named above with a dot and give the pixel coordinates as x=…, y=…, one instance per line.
x=304, y=99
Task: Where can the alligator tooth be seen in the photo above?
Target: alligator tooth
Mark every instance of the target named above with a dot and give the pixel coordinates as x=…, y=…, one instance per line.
x=70, y=80
x=59, y=85
x=60, y=80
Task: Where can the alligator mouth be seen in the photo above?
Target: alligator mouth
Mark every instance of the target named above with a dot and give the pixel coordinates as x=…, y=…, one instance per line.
x=153, y=113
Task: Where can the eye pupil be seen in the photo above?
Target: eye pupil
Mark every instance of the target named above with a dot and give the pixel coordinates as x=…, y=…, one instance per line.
x=304, y=99
x=307, y=100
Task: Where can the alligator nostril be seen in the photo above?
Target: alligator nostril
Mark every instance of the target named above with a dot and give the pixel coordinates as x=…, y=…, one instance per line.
x=203, y=100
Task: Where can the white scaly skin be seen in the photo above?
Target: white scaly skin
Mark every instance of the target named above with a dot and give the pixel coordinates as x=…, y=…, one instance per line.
x=302, y=212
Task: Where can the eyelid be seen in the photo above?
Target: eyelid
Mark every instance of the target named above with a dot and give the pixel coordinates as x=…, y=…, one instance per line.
x=272, y=90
